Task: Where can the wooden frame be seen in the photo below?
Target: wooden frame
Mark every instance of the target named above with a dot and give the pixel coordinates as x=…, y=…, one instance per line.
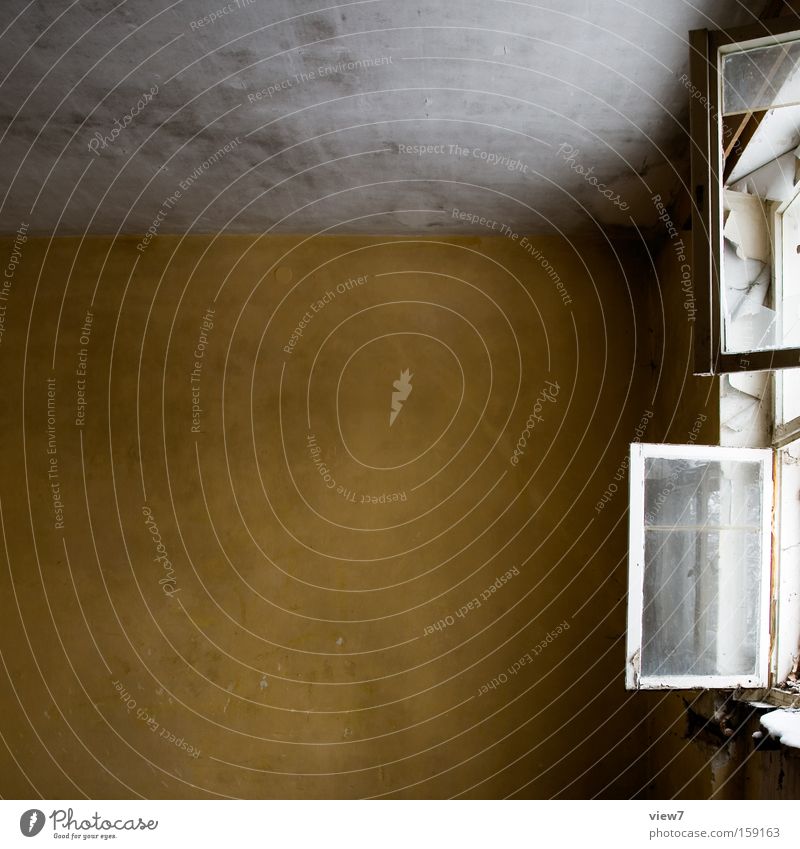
x=634, y=680
x=786, y=561
x=707, y=170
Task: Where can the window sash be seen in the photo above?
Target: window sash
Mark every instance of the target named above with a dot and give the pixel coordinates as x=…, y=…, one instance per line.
x=634, y=679
x=707, y=171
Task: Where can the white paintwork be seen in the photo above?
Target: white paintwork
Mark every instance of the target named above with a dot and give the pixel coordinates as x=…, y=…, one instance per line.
x=788, y=580
x=636, y=564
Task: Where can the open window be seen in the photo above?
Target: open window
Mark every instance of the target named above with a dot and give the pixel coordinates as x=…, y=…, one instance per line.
x=745, y=129
x=699, y=567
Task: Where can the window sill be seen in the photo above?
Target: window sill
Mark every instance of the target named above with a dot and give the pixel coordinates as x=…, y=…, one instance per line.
x=778, y=723
x=768, y=697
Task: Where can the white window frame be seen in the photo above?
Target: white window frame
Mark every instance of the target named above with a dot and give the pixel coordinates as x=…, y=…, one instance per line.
x=634, y=680
x=786, y=642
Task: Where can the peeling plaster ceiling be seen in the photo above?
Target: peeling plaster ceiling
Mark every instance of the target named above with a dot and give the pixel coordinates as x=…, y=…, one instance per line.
x=117, y=116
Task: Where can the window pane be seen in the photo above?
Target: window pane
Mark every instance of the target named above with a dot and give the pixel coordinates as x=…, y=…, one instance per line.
x=761, y=78
x=787, y=290
x=788, y=395
x=702, y=567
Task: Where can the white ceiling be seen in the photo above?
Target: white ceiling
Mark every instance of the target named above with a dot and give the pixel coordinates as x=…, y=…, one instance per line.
x=500, y=77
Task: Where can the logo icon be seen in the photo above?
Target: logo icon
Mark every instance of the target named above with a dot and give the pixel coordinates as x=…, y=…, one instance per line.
x=403, y=389
x=31, y=822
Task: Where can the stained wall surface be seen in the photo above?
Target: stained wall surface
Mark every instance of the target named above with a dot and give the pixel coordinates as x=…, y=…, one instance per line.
x=226, y=571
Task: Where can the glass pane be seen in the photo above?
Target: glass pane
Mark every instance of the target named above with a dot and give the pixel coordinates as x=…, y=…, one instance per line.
x=788, y=395
x=761, y=271
x=787, y=293
x=702, y=567
x=761, y=78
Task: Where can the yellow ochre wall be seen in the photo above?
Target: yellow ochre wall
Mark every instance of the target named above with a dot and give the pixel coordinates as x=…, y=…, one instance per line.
x=295, y=639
